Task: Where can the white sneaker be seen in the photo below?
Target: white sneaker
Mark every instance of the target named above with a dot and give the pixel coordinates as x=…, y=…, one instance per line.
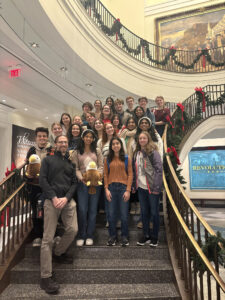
x=89, y=242
x=36, y=242
x=80, y=243
x=57, y=240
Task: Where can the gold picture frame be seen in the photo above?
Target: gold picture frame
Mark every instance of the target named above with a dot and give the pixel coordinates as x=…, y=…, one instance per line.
x=193, y=30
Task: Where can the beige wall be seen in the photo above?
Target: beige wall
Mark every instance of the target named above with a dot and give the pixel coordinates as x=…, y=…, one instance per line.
x=130, y=13
x=23, y=120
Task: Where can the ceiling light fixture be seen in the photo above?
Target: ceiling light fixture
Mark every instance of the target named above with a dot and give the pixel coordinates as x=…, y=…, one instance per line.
x=26, y=109
x=88, y=84
x=63, y=69
x=46, y=118
x=4, y=101
x=34, y=45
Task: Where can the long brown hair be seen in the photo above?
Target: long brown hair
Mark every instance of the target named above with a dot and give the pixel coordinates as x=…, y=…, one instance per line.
x=104, y=134
x=151, y=146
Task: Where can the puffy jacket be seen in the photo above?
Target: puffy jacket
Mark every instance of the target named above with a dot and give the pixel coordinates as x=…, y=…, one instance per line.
x=57, y=176
x=152, y=166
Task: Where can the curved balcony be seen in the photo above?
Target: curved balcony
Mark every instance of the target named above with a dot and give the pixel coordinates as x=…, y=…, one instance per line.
x=70, y=38
x=172, y=59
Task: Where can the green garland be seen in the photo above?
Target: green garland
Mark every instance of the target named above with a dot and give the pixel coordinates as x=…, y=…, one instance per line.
x=209, y=248
x=115, y=29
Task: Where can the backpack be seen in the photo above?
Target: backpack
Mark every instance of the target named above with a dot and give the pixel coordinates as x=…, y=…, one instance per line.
x=125, y=162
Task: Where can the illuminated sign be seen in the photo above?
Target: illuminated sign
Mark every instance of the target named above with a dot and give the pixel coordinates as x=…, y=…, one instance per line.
x=207, y=169
x=15, y=73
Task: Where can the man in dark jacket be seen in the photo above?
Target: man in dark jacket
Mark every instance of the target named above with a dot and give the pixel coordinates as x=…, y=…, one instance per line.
x=58, y=183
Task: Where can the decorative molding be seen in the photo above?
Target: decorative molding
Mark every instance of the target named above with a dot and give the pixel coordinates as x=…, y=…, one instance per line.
x=172, y=5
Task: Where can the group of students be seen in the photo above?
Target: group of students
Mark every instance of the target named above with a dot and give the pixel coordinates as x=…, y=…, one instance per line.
x=127, y=149
x=127, y=146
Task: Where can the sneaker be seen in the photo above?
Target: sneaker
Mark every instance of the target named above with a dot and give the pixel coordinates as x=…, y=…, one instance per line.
x=89, y=242
x=56, y=240
x=36, y=242
x=124, y=242
x=144, y=240
x=153, y=243
x=107, y=224
x=49, y=285
x=63, y=258
x=140, y=225
x=80, y=243
x=138, y=208
x=111, y=242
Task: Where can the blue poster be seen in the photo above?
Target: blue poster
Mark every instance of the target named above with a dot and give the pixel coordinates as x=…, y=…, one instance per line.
x=207, y=169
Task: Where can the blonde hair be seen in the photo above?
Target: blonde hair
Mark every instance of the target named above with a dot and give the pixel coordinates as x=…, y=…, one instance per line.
x=55, y=123
x=151, y=146
x=160, y=97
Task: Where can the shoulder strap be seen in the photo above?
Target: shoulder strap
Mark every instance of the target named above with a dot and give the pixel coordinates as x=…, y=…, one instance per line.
x=108, y=165
x=126, y=163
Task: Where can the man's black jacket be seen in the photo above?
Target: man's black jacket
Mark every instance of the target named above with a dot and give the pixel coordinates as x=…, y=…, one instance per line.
x=57, y=176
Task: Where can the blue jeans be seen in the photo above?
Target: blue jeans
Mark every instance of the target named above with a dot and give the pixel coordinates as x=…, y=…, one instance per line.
x=116, y=205
x=87, y=211
x=149, y=211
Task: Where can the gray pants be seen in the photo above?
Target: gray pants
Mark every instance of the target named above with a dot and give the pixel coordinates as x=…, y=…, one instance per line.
x=51, y=215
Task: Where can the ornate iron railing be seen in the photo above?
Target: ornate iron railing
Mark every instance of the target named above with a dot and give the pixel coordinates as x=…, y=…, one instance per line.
x=168, y=59
x=15, y=215
x=189, y=231
x=11, y=183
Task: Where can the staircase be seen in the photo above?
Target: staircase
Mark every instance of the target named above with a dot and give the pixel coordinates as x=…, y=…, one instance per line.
x=101, y=272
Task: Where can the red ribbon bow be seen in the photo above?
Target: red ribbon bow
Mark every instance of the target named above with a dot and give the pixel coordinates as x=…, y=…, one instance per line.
x=180, y=105
x=199, y=89
x=117, y=20
x=13, y=166
x=172, y=149
x=169, y=120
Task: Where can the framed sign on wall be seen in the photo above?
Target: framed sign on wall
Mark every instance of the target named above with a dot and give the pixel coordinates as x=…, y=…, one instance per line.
x=22, y=140
x=207, y=170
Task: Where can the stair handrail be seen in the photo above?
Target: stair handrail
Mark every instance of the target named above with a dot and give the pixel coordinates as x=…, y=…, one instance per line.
x=191, y=237
x=15, y=221
x=213, y=97
x=168, y=59
x=11, y=182
x=185, y=211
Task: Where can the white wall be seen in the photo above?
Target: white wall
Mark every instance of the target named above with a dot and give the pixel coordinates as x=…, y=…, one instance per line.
x=195, y=140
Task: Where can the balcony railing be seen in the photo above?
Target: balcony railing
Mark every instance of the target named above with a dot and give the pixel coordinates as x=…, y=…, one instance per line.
x=168, y=59
x=189, y=231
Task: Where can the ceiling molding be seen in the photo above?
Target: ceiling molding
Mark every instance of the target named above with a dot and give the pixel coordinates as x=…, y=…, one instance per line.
x=172, y=5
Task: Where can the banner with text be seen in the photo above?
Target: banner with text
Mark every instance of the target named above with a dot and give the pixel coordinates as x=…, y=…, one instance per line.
x=207, y=169
x=22, y=140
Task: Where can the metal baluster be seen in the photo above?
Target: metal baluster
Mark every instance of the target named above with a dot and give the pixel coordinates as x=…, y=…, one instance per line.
x=13, y=225
x=8, y=220
x=4, y=234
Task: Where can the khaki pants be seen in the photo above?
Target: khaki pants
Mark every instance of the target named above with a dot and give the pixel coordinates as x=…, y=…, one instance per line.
x=51, y=215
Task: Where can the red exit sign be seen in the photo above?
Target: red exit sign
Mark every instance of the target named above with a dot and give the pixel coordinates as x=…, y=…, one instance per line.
x=15, y=73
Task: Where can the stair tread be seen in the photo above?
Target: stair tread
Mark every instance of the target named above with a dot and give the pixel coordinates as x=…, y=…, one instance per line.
x=95, y=291
x=28, y=264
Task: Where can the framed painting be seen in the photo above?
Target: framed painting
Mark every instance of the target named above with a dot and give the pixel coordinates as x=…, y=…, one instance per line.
x=193, y=30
